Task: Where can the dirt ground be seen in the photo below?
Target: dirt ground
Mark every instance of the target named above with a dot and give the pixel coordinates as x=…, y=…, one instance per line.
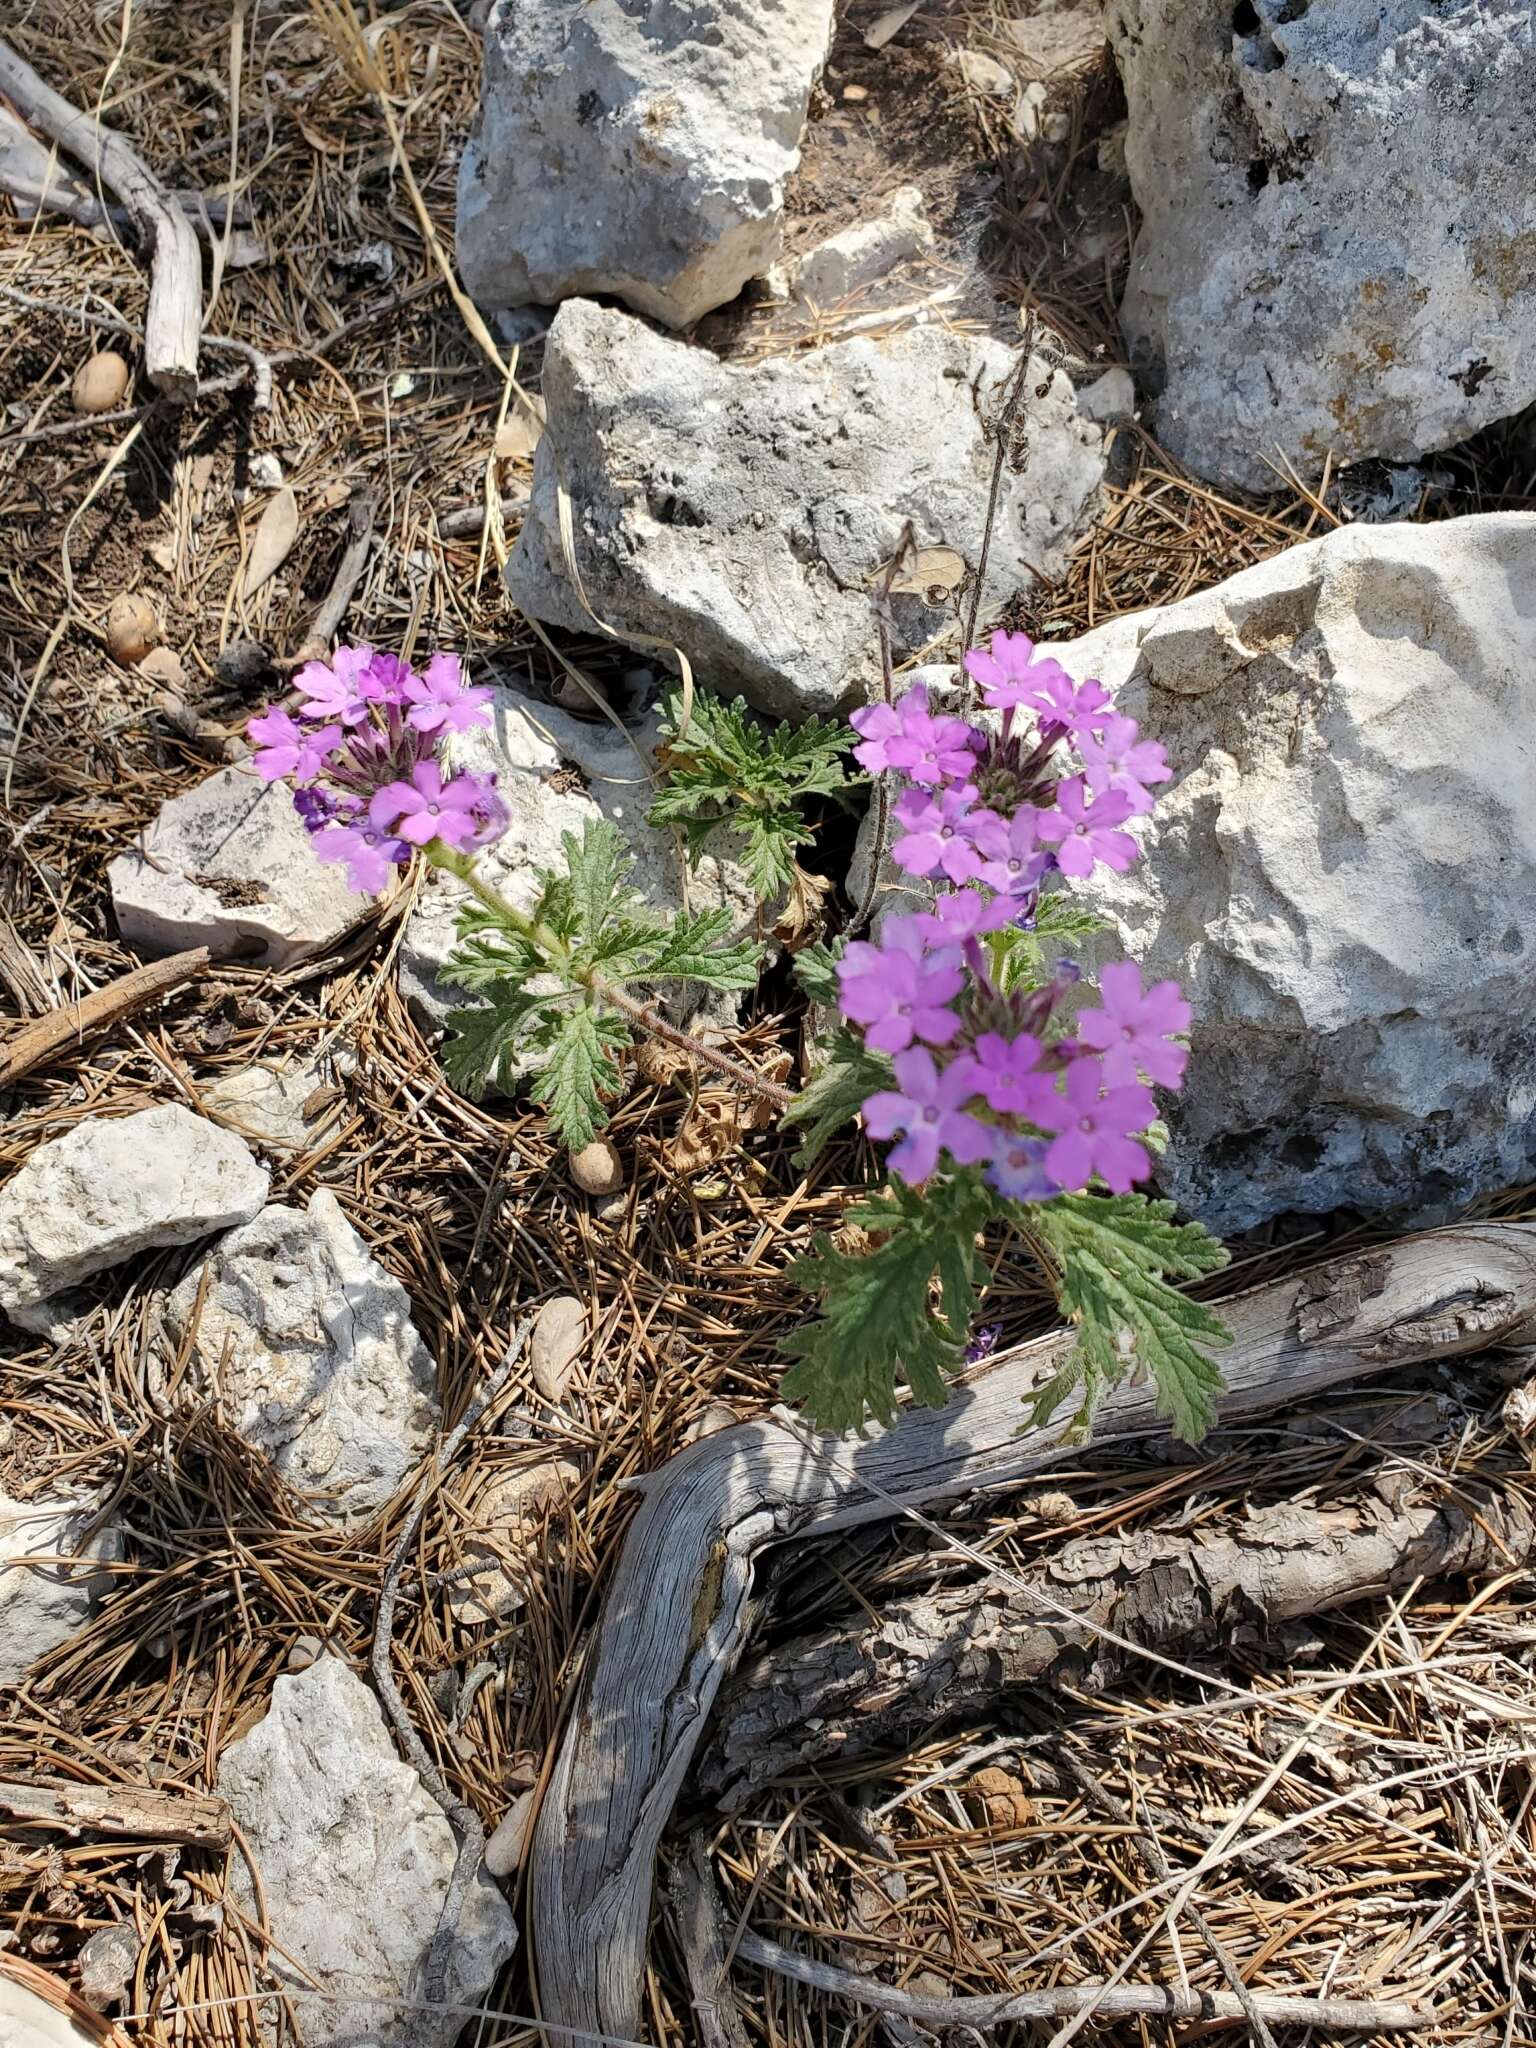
x=1425, y=1888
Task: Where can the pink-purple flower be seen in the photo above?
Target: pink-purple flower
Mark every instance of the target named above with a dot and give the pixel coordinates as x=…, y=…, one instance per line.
x=369, y=855
x=927, y=1107
x=1016, y=1167
x=286, y=750
x=899, y=990
x=441, y=701
x=427, y=808
x=939, y=833
x=1083, y=829
x=1094, y=1125
x=1132, y=1029
x=1013, y=858
x=344, y=687
x=1115, y=758
x=907, y=737
x=1009, y=1075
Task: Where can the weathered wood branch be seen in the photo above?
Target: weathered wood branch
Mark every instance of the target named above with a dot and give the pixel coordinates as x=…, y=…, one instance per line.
x=134, y=1812
x=35, y=1043
x=869, y=1685
x=173, y=321
x=674, y=1613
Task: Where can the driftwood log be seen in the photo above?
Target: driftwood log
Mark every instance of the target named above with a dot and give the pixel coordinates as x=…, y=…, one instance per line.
x=174, y=318
x=672, y=1620
x=842, y=1692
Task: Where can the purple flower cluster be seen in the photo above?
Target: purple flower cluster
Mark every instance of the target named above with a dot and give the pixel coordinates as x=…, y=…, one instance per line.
x=362, y=753
x=984, y=1077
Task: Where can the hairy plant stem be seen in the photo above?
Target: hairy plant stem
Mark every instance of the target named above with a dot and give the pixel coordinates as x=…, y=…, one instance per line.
x=563, y=962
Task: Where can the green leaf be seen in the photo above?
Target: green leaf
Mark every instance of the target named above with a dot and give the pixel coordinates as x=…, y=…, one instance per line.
x=1114, y=1256
x=768, y=842
x=483, y=1036
x=816, y=971
x=697, y=949
x=878, y=1323
x=1023, y=960
x=575, y=1068
x=836, y=1093
x=596, y=870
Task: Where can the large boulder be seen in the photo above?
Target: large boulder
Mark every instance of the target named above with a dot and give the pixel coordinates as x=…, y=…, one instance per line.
x=116, y=1186
x=355, y=1860
x=1343, y=872
x=1338, y=239
x=555, y=773
x=310, y=1346
x=43, y=1601
x=745, y=512
x=641, y=152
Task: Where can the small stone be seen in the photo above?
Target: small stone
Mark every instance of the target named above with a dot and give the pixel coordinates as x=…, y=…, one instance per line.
x=101, y=382
x=42, y=1605
x=984, y=73
x=855, y=94
x=312, y=1348
x=304, y=1651
x=228, y=865
x=638, y=155
x=709, y=1422
x=1003, y=1798
x=1110, y=397
x=266, y=472
x=559, y=1331
x=862, y=254
x=355, y=1860
x=269, y=1104
x=132, y=628
x=116, y=1186
x=597, y=1168
x=504, y=1849
x=165, y=665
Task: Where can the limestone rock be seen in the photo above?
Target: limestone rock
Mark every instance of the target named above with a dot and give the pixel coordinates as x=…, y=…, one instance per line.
x=555, y=772
x=756, y=557
x=1338, y=240
x=115, y=1186
x=355, y=1860
x=228, y=865
x=1343, y=872
x=42, y=1606
x=311, y=1347
x=267, y=1104
x=635, y=152
x=865, y=252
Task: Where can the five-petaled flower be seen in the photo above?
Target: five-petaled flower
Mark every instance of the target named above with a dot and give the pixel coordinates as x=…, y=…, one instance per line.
x=927, y=1105
x=1083, y=829
x=1095, y=1124
x=900, y=990
x=1132, y=1029
x=906, y=736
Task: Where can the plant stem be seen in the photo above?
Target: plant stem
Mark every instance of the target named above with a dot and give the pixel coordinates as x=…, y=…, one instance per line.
x=560, y=958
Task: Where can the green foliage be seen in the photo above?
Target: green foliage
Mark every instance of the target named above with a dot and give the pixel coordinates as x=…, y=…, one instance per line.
x=726, y=771
x=1022, y=961
x=836, y=1092
x=878, y=1323
x=1113, y=1257
x=553, y=996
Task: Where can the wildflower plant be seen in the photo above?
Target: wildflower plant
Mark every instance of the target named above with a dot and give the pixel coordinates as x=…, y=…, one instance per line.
x=968, y=1045
x=564, y=983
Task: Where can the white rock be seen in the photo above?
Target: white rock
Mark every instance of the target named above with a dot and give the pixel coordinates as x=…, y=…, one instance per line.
x=43, y=1605
x=311, y=1348
x=1343, y=874
x=865, y=252
x=266, y=1103
x=115, y=1186
x=1110, y=397
x=641, y=153
x=559, y=1332
x=228, y=865
x=1058, y=34
x=1338, y=240
x=506, y=1502
x=533, y=748
x=758, y=562
x=355, y=1860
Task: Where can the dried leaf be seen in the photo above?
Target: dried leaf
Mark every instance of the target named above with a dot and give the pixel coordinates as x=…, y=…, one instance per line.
x=880, y=32
x=276, y=531
x=521, y=431
x=928, y=570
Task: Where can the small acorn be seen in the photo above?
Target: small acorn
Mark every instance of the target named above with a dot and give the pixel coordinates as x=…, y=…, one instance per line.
x=132, y=628
x=597, y=1168
x=101, y=382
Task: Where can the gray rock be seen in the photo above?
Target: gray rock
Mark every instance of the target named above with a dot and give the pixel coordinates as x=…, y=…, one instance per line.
x=758, y=563
x=556, y=772
x=42, y=1605
x=310, y=1346
x=1343, y=873
x=115, y=1186
x=637, y=152
x=867, y=251
x=355, y=1860
x=1110, y=397
x=1338, y=239
x=266, y=1103
x=228, y=865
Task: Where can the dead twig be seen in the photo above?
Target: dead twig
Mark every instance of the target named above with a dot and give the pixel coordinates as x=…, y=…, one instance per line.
x=1337, y=2015
x=316, y=644
x=137, y=1812
x=42, y=1040
x=174, y=319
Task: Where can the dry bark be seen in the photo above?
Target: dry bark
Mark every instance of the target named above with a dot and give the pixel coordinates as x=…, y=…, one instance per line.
x=844, y=1691
x=174, y=318
x=674, y=1613
x=42, y=1040
x=139, y=1812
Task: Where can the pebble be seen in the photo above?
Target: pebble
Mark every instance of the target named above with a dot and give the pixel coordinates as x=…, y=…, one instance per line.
x=132, y=628
x=597, y=1168
x=101, y=382
x=304, y=1651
